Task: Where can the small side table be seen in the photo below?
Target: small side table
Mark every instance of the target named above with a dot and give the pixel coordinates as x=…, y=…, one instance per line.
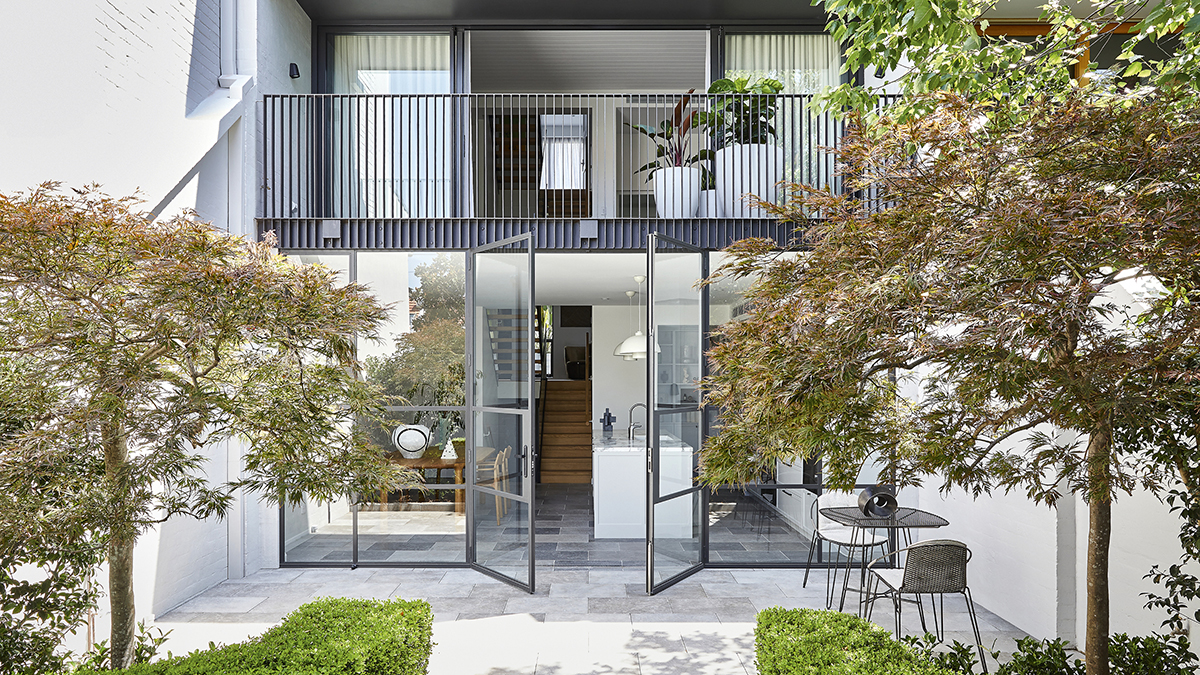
x=458, y=465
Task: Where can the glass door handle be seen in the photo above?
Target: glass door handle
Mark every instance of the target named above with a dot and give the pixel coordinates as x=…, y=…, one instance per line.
x=525, y=464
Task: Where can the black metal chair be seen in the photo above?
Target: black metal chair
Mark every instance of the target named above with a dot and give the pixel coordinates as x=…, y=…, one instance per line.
x=934, y=567
x=838, y=535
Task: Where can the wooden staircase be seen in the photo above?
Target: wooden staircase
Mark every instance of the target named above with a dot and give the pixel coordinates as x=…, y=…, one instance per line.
x=566, y=445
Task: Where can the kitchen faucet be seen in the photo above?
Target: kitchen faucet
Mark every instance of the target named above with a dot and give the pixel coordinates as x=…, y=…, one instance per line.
x=633, y=426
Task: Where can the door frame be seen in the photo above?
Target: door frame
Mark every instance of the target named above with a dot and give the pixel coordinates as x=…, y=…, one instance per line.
x=528, y=496
x=653, y=414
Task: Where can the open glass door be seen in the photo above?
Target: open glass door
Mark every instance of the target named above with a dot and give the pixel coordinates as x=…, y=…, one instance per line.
x=500, y=441
x=675, y=502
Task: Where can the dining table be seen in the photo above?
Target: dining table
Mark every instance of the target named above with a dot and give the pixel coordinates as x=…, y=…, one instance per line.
x=458, y=464
x=903, y=521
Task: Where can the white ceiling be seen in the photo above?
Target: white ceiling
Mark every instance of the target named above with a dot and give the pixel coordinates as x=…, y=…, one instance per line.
x=588, y=61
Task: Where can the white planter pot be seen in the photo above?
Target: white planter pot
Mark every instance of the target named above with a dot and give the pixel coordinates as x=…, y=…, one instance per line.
x=709, y=206
x=677, y=192
x=740, y=170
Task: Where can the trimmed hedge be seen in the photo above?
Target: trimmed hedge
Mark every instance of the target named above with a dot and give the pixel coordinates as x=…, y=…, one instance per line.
x=330, y=636
x=812, y=642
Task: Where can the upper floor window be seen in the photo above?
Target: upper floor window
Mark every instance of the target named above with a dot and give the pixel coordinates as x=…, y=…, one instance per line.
x=391, y=64
x=805, y=63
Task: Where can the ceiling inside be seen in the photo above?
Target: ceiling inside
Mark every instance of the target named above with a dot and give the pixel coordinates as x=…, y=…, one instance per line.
x=572, y=12
x=593, y=61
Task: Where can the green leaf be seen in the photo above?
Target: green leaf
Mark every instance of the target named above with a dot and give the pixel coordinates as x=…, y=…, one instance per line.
x=922, y=13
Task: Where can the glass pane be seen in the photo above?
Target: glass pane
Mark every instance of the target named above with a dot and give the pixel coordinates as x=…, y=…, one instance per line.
x=679, y=451
x=420, y=357
x=500, y=442
x=676, y=315
x=394, y=529
x=805, y=64
x=391, y=64
x=335, y=262
x=676, y=536
x=318, y=532
x=760, y=524
x=502, y=320
x=502, y=535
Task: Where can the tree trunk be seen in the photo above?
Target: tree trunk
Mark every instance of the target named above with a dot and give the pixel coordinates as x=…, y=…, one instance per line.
x=120, y=546
x=1099, y=536
x=120, y=601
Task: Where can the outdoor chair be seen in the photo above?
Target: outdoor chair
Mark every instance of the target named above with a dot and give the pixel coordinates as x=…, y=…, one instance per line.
x=934, y=567
x=838, y=535
x=496, y=476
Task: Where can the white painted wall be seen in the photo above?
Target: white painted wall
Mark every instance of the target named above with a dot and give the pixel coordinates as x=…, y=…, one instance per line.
x=616, y=383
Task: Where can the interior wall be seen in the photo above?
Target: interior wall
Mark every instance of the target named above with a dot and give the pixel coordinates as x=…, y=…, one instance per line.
x=574, y=336
x=616, y=383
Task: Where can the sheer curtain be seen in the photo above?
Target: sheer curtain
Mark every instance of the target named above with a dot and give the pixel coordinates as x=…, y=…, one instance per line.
x=392, y=154
x=564, y=152
x=807, y=64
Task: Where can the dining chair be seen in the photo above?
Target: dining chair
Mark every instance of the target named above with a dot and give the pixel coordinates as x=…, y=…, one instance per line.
x=838, y=535
x=933, y=567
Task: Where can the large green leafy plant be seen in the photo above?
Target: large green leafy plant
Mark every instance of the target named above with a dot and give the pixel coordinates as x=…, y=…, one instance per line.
x=143, y=342
x=742, y=110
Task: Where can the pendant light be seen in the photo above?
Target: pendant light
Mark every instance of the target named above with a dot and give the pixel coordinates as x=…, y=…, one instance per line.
x=633, y=347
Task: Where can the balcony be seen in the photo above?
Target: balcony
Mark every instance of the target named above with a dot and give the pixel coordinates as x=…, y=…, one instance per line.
x=537, y=156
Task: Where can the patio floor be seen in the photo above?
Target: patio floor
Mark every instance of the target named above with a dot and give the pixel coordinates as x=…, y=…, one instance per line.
x=596, y=620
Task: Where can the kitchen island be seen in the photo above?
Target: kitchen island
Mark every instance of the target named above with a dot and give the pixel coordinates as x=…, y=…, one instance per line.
x=619, y=487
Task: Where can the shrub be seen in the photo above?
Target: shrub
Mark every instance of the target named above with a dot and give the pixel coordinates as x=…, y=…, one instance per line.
x=331, y=636
x=809, y=641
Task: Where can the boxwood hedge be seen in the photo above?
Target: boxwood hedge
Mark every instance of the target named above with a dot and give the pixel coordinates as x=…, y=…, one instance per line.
x=812, y=642
x=326, y=637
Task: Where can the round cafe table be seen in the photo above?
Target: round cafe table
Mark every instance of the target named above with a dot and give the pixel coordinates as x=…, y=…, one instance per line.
x=904, y=520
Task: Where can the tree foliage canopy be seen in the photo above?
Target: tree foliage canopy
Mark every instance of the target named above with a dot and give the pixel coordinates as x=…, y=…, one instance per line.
x=128, y=346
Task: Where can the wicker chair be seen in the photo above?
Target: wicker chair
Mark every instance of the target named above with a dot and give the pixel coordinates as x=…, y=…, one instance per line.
x=838, y=535
x=934, y=567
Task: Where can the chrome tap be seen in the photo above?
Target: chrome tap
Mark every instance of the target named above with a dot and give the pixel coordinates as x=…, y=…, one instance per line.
x=634, y=426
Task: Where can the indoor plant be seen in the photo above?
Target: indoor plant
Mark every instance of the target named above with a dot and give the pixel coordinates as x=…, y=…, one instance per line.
x=741, y=125
x=677, y=180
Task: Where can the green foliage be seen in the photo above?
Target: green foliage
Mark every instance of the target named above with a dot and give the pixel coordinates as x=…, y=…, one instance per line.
x=742, y=110
x=330, y=636
x=956, y=657
x=924, y=46
x=146, y=645
x=801, y=641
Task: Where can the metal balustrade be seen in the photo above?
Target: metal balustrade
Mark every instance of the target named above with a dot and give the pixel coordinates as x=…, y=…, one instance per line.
x=538, y=156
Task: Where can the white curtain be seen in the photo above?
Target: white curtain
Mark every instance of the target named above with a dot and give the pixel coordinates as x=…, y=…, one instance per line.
x=392, y=154
x=564, y=152
x=807, y=65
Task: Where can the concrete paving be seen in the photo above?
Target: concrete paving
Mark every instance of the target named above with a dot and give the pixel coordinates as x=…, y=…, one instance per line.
x=596, y=620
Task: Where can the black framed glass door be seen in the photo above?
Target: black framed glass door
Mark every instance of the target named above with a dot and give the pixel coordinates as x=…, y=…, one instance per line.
x=675, y=502
x=500, y=441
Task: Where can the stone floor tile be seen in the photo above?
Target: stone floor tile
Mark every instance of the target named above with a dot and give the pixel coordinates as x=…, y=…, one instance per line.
x=221, y=604
x=565, y=590
x=528, y=605
x=628, y=605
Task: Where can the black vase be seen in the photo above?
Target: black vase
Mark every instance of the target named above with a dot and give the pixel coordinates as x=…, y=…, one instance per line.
x=878, y=501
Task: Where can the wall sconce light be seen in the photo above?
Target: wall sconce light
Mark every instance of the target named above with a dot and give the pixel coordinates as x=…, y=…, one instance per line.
x=293, y=71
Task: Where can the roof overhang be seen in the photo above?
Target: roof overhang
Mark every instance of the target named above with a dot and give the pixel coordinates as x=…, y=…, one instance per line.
x=565, y=12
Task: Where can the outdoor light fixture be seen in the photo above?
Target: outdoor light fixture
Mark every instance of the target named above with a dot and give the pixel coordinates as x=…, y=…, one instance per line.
x=293, y=71
x=633, y=347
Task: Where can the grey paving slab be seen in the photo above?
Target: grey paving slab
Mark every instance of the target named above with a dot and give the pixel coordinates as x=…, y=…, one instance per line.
x=586, y=616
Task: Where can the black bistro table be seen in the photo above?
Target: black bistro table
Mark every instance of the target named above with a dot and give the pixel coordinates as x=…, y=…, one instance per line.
x=905, y=519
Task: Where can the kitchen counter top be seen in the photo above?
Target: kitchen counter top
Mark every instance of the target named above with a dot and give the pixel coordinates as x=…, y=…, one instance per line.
x=619, y=486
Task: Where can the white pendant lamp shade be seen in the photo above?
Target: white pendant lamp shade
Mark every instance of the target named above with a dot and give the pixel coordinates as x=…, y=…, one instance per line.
x=633, y=347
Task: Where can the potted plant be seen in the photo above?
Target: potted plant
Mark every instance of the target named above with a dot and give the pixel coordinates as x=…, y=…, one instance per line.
x=741, y=125
x=677, y=180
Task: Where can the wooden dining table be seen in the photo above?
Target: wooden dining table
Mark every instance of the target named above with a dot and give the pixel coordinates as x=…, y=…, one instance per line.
x=459, y=465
